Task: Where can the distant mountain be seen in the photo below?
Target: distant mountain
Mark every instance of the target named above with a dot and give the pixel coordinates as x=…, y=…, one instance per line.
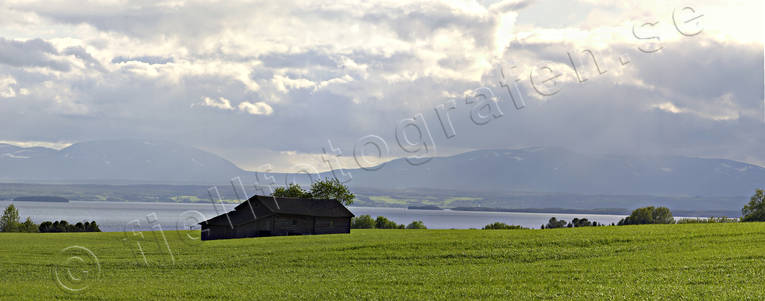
x=540, y=169
x=119, y=161
x=544, y=169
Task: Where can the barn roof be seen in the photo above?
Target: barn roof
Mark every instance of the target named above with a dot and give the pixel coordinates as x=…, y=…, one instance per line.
x=281, y=205
x=298, y=206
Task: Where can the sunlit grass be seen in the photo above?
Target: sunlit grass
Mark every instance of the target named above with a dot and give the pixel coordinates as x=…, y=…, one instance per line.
x=694, y=261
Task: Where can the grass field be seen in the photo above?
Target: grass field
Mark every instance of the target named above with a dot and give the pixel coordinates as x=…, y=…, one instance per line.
x=669, y=262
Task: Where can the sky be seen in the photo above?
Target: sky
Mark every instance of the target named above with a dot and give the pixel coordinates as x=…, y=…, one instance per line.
x=281, y=85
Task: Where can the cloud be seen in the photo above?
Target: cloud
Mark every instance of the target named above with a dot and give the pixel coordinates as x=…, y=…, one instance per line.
x=341, y=70
x=258, y=108
x=46, y=144
x=220, y=103
x=6, y=89
x=668, y=107
x=31, y=53
x=145, y=59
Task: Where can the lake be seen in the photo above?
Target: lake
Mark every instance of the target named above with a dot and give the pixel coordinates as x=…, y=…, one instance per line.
x=132, y=216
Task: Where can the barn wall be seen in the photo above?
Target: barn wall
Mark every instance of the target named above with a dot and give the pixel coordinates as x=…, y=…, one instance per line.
x=276, y=225
x=293, y=225
x=327, y=225
x=259, y=227
x=217, y=232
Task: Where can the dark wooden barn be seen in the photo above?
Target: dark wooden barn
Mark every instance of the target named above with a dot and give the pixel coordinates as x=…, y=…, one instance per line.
x=273, y=216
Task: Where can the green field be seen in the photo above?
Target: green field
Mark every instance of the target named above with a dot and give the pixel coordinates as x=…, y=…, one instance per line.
x=669, y=262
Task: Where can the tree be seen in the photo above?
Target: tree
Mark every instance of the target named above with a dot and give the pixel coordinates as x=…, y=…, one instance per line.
x=648, y=215
x=332, y=189
x=362, y=222
x=28, y=226
x=755, y=210
x=9, y=222
x=555, y=223
x=92, y=227
x=323, y=189
x=79, y=227
x=60, y=226
x=292, y=191
x=383, y=223
x=416, y=225
x=45, y=226
x=662, y=215
x=64, y=226
x=582, y=222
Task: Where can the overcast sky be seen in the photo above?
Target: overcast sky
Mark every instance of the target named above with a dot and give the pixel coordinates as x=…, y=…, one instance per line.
x=275, y=82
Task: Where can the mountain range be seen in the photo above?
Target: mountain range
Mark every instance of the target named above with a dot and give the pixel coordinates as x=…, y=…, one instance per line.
x=115, y=162
x=537, y=169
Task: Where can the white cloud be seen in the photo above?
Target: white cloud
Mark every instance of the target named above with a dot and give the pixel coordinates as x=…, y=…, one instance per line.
x=220, y=103
x=6, y=89
x=722, y=108
x=48, y=144
x=258, y=108
x=284, y=83
x=668, y=107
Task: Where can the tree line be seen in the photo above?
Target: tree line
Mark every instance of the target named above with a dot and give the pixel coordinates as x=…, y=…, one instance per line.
x=574, y=223
x=754, y=211
x=367, y=222
x=64, y=226
x=10, y=221
x=501, y=226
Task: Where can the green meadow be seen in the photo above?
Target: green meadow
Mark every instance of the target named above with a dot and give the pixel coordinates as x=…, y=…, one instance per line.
x=664, y=262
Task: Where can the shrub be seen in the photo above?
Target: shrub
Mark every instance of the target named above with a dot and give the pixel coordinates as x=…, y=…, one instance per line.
x=416, y=225
x=710, y=220
x=501, y=226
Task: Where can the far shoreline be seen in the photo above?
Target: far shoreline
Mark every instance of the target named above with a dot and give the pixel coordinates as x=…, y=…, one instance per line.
x=595, y=211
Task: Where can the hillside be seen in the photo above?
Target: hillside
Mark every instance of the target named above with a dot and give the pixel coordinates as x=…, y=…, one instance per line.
x=562, y=171
x=530, y=170
x=115, y=162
